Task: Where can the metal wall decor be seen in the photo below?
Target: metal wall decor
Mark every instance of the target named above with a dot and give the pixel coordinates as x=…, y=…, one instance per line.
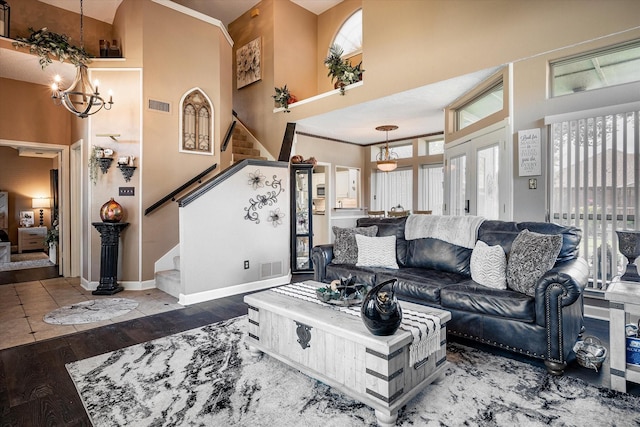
x=248, y=63
x=127, y=171
x=197, y=123
x=257, y=180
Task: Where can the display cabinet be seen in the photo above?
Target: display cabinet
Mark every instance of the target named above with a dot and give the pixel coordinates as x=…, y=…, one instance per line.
x=301, y=218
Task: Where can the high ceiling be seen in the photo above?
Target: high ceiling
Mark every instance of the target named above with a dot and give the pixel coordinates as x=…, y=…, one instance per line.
x=416, y=112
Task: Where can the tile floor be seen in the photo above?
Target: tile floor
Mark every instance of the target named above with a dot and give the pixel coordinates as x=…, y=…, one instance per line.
x=23, y=306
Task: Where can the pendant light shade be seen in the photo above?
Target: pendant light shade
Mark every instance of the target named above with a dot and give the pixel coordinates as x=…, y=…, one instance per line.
x=386, y=159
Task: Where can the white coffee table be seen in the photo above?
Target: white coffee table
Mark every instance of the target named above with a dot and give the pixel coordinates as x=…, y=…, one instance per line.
x=337, y=349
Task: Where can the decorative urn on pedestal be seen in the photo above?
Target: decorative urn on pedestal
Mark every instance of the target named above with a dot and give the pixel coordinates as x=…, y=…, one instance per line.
x=111, y=211
x=380, y=311
x=629, y=245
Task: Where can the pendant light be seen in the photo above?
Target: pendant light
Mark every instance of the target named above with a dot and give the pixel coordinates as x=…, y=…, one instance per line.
x=81, y=97
x=387, y=159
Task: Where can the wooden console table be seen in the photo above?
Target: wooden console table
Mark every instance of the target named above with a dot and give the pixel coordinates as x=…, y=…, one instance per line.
x=624, y=300
x=110, y=238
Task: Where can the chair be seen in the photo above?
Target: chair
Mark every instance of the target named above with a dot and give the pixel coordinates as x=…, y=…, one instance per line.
x=398, y=213
x=422, y=212
x=376, y=214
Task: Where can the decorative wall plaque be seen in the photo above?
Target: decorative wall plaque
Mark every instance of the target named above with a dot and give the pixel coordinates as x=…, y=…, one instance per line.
x=248, y=63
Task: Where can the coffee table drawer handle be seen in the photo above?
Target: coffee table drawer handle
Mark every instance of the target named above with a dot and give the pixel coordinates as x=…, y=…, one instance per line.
x=304, y=335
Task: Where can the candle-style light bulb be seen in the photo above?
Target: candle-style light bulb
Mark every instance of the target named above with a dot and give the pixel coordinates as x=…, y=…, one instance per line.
x=96, y=83
x=110, y=96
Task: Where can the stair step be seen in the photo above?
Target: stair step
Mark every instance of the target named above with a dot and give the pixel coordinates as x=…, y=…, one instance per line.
x=238, y=157
x=176, y=262
x=240, y=136
x=244, y=144
x=248, y=151
x=169, y=281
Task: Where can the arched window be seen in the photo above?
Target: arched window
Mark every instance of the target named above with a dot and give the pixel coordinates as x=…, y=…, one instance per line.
x=197, y=123
x=349, y=37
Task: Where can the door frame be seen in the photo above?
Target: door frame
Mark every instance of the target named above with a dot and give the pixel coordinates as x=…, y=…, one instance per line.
x=469, y=146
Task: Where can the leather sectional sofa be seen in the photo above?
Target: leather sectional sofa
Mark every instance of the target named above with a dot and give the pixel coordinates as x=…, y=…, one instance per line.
x=433, y=272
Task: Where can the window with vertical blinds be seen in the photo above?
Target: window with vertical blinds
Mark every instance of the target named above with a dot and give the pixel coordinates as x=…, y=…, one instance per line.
x=390, y=189
x=431, y=188
x=594, y=172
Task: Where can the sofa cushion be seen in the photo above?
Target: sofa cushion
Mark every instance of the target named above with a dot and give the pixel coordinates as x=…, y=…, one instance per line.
x=420, y=285
x=503, y=233
x=376, y=251
x=489, y=265
x=532, y=255
x=390, y=227
x=436, y=254
x=345, y=249
x=475, y=298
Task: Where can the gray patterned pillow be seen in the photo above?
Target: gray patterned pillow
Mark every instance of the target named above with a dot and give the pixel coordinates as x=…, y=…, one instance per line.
x=345, y=249
x=489, y=265
x=532, y=255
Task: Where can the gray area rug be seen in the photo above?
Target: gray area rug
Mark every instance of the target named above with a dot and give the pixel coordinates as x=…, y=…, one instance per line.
x=26, y=260
x=207, y=377
x=91, y=311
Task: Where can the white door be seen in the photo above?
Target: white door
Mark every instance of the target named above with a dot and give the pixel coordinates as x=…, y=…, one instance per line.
x=477, y=180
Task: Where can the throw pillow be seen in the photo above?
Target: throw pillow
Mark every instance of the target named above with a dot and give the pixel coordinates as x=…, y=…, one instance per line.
x=376, y=251
x=489, y=265
x=345, y=249
x=532, y=255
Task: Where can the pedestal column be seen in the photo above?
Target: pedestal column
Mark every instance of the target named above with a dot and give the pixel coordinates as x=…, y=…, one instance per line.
x=110, y=239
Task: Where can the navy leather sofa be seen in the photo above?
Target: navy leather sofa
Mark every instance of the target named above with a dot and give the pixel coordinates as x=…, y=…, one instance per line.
x=435, y=273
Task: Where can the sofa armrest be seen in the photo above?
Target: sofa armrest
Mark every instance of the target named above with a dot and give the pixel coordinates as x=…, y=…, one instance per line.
x=559, y=309
x=321, y=255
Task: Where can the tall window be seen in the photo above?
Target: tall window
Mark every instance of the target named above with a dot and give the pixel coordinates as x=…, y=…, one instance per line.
x=594, y=175
x=390, y=189
x=431, y=188
x=197, y=120
x=349, y=37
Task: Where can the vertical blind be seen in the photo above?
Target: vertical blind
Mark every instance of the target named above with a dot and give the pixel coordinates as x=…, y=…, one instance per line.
x=391, y=189
x=594, y=172
x=431, y=188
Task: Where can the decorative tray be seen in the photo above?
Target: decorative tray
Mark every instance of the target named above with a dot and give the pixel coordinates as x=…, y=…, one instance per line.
x=342, y=295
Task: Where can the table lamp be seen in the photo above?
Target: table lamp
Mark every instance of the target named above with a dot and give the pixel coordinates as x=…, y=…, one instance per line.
x=41, y=203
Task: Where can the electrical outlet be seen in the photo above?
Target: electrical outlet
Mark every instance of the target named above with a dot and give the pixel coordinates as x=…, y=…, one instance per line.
x=246, y=264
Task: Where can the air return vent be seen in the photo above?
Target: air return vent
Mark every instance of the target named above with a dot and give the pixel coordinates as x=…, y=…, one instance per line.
x=161, y=106
x=271, y=269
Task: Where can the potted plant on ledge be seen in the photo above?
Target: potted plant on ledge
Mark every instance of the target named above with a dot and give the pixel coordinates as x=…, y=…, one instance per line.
x=283, y=98
x=340, y=70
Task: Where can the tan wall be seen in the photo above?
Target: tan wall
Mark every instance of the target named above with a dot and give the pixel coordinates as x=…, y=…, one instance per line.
x=37, y=15
x=24, y=178
x=174, y=65
x=27, y=113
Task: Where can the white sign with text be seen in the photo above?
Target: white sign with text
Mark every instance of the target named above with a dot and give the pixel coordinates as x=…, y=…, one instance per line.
x=529, y=155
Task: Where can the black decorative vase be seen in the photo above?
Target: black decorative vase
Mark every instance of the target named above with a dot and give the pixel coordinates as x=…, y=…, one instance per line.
x=629, y=245
x=381, y=312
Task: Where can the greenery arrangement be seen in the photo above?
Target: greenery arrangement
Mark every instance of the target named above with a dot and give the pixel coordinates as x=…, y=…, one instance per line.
x=53, y=235
x=283, y=98
x=47, y=44
x=94, y=164
x=340, y=70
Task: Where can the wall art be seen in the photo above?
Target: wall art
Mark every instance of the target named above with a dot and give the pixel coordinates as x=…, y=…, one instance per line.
x=26, y=218
x=248, y=63
x=262, y=200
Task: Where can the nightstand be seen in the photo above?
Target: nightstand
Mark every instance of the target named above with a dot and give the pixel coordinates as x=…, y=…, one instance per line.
x=31, y=238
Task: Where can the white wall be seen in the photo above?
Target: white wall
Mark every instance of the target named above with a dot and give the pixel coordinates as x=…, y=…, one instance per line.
x=216, y=239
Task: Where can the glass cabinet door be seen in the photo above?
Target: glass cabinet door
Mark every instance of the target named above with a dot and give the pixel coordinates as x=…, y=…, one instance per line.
x=301, y=230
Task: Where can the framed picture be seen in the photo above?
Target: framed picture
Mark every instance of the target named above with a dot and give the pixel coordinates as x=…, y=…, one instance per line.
x=248, y=63
x=26, y=218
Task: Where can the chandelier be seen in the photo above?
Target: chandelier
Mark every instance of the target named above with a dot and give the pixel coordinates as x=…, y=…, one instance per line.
x=387, y=159
x=81, y=97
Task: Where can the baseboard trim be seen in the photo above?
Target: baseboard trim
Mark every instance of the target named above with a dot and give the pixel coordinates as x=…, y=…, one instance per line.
x=594, y=312
x=127, y=285
x=233, y=290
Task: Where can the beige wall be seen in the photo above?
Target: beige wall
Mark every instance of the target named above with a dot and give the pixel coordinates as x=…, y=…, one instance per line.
x=24, y=178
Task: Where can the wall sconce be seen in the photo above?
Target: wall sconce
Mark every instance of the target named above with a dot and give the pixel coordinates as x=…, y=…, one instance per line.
x=41, y=203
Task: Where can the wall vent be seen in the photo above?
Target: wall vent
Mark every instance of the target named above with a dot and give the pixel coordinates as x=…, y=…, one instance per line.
x=161, y=106
x=270, y=269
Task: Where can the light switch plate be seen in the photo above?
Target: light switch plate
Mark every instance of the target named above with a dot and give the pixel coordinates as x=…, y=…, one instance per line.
x=126, y=191
x=533, y=183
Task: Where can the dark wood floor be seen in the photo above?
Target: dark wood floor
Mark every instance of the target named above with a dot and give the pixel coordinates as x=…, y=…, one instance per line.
x=36, y=390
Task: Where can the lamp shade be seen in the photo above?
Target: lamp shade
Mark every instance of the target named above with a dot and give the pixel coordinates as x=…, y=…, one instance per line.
x=41, y=203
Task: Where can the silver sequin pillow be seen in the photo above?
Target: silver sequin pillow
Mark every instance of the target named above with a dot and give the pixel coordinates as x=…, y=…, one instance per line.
x=532, y=255
x=345, y=248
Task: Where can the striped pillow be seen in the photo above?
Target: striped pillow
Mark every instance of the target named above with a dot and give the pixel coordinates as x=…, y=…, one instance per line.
x=376, y=251
x=489, y=265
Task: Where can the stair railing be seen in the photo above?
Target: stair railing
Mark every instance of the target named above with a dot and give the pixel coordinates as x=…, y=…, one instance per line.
x=171, y=196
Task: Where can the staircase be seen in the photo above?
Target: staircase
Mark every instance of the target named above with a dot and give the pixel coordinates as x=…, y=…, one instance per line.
x=242, y=148
x=169, y=280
